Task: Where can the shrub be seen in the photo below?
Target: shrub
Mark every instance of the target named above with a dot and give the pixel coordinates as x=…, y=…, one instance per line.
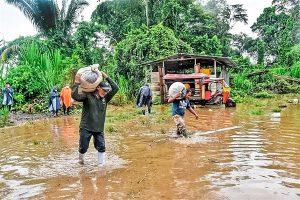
x=295, y=70
x=280, y=71
x=283, y=87
x=257, y=112
x=276, y=110
x=4, y=117
x=263, y=95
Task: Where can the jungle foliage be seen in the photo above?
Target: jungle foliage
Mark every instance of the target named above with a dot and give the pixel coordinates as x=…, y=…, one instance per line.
x=122, y=35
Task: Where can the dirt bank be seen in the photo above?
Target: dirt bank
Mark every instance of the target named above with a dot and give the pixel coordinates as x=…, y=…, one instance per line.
x=17, y=118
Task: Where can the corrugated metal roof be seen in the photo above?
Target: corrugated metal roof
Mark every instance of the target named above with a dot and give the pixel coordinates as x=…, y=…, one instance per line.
x=179, y=58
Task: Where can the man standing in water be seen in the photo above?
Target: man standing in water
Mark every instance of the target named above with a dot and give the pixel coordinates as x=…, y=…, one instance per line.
x=93, y=115
x=145, y=98
x=178, y=110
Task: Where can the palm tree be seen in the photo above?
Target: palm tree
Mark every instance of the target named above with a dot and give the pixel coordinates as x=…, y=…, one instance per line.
x=48, y=17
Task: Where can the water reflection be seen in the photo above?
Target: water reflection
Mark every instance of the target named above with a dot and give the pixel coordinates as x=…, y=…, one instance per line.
x=232, y=155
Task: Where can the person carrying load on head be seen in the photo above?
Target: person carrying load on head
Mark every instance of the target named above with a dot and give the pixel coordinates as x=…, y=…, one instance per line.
x=144, y=98
x=180, y=102
x=95, y=95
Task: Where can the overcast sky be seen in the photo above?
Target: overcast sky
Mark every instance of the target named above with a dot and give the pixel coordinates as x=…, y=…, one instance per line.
x=13, y=23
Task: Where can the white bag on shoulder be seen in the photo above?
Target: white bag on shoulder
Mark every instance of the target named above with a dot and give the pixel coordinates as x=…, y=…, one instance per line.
x=90, y=78
x=176, y=88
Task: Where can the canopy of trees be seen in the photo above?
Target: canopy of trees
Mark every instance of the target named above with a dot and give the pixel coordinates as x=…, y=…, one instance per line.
x=122, y=34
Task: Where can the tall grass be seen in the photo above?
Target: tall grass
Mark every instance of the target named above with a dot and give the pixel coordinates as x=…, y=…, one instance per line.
x=280, y=71
x=50, y=68
x=46, y=62
x=122, y=97
x=240, y=82
x=295, y=70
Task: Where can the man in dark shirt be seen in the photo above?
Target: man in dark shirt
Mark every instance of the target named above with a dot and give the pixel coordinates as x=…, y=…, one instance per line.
x=93, y=115
x=178, y=110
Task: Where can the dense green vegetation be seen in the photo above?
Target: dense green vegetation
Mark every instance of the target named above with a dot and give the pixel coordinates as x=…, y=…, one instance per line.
x=122, y=34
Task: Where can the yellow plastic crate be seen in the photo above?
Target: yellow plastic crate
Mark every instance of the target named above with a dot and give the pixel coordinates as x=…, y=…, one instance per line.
x=205, y=71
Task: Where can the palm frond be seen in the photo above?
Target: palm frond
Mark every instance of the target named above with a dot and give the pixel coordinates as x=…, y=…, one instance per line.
x=40, y=12
x=74, y=9
x=63, y=9
x=48, y=11
x=46, y=15
x=27, y=7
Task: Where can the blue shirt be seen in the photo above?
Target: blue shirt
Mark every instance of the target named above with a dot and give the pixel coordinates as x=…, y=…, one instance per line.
x=179, y=107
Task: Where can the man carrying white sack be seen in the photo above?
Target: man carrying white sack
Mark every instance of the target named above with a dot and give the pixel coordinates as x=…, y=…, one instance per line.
x=180, y=102
x=93, y=114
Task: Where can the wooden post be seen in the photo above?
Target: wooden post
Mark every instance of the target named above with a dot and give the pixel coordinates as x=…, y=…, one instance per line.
x=203, y=92
x=197, y=81
x=215, y=68
x=161, y=70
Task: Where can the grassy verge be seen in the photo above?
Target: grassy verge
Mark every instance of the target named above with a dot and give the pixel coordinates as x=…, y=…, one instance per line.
x=116, y=117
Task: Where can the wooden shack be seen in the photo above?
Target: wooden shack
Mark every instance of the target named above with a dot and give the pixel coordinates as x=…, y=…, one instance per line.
x=190, y=69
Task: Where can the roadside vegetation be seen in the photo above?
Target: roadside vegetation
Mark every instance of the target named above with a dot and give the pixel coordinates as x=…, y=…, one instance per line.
x=122, y=35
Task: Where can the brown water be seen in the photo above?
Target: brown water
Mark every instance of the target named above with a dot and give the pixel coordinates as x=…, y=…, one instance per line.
x=232, y=155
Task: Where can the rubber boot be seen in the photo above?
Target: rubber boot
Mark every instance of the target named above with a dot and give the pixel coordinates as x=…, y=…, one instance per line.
x=101, y=158
x=144, y=112
x=149, y=110
x=177, y=132
x=81, y=158
x=182, y=132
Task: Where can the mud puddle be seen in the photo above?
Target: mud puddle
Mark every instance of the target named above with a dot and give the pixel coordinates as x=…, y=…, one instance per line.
x=231, y=155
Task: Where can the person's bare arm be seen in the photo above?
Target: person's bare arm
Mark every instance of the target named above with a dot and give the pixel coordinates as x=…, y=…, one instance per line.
x=193, y=112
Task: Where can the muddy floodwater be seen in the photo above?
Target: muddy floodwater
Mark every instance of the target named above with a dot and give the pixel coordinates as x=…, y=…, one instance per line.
x=230, y=155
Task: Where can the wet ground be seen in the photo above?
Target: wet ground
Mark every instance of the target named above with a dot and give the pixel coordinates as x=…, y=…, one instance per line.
x=231, y=154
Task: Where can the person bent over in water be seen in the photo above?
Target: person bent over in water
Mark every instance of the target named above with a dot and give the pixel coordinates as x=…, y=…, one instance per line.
x=144, y=98
x=179, y=107
x=93, y=115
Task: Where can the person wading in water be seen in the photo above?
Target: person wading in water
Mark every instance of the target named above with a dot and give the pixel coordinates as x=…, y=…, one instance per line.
x=93, y=115
x=179, y=107
x=144, y=98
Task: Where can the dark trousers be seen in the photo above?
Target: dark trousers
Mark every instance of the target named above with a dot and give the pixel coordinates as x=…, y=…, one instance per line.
x=66, y=109
x=54, y=112
x=85, y=137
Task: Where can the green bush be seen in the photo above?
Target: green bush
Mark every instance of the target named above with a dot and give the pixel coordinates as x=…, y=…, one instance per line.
x=295, y=70
x=257, y=112
x=24, y=81
x=4, y=117
x=19, y=98
x=276, y=110
x=241, y=83
x=280, y=71
x=283, y=87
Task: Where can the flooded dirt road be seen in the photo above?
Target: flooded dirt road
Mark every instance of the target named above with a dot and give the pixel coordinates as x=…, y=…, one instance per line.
x=231, y=155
